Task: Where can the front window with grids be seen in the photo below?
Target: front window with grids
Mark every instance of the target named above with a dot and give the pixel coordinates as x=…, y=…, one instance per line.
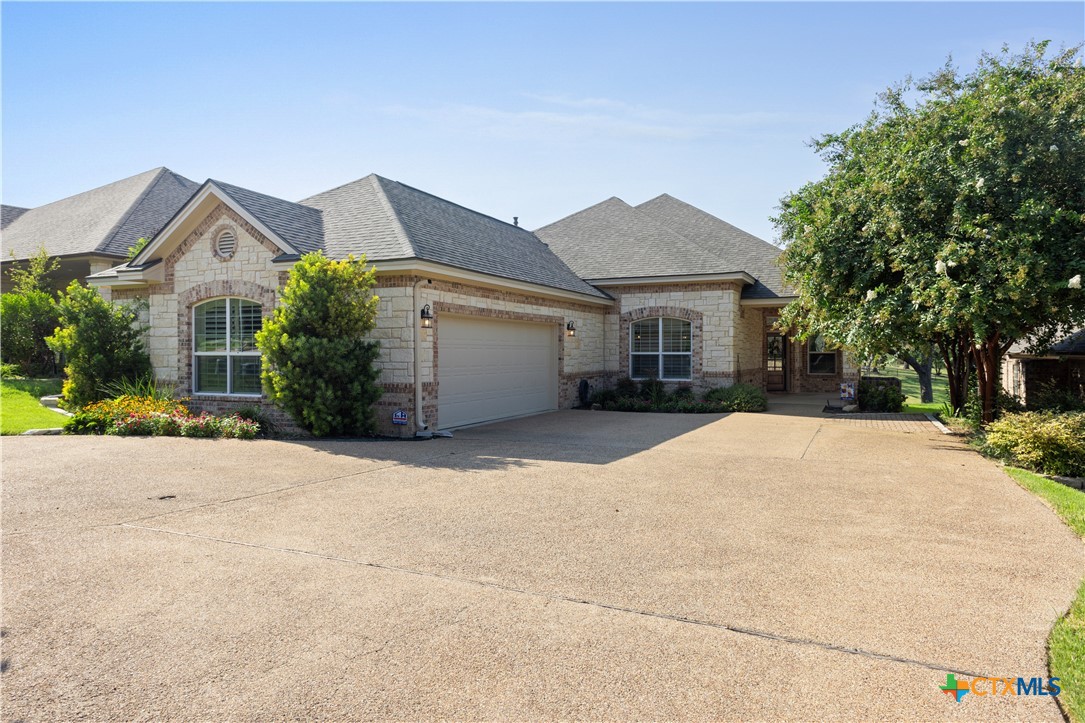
x=661, y=349
x=226, y=360
x=822, y=357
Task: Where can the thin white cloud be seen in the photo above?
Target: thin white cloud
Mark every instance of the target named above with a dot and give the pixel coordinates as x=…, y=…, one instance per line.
x=580, y=118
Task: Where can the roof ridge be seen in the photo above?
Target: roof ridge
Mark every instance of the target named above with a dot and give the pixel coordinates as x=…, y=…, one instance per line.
x=162, y=170
x=585, y=210
x=336, y=188
x=710, y=215
x=97, y=188
x=386, y=203
x=452, y=203
x=220, y=184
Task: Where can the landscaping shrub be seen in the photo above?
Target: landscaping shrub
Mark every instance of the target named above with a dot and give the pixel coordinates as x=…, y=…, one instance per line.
x=101, y=342
x=874, y=397
x=255, y=414
x=683, y=392
x=604, y=396
x=10, y=371
x=653, y=390
x=318, y=364
x=29, y=315
x=739, y=398
x=626, y=387
x=1044, y=441
x=145, y=386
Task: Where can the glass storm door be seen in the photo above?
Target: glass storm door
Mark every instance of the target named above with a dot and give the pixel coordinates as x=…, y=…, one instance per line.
x=775, y=362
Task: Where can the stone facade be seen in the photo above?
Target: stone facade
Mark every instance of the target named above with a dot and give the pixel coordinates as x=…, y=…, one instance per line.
x=711, y=308
x=728, y=339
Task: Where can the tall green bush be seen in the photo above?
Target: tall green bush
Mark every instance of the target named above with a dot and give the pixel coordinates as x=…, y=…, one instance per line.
x=1044, y=441
x=102, y=344
x=318, y=365
x=29, y=315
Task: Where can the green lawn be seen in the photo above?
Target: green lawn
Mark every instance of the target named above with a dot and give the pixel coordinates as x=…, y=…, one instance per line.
x=20, y=409
x=909, y=384
x=1066, y=645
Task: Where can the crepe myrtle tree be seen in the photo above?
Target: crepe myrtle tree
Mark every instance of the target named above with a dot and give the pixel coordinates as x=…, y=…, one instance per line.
x=318, y=364
x=954, y=216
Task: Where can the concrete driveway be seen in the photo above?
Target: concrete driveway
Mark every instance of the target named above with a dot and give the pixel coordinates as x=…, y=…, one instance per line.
x=572, y=565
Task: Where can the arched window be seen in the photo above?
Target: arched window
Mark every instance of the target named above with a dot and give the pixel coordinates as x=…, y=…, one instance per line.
x=225, y=357
x=661, y=348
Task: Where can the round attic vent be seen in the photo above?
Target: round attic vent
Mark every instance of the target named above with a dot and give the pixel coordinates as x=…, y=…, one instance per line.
x=225, y=244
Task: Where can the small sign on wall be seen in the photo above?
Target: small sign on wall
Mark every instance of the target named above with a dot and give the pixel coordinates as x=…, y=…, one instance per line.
x=399, y=416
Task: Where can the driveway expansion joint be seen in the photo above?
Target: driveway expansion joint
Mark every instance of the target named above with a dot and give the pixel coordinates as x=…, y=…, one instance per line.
x=736, y=629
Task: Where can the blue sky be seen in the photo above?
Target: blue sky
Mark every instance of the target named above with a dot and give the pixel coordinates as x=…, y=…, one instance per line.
x=529, y=110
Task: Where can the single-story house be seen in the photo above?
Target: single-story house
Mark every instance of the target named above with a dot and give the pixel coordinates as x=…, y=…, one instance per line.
x=92, y=231
x=1062, y=366
x=479, y=319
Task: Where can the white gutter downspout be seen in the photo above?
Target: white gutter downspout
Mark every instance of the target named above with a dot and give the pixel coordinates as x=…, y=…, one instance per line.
x=421, y=428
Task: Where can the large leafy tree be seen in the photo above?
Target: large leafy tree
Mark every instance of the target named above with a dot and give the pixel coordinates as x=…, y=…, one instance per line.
x=954, y=216
x=318, y=364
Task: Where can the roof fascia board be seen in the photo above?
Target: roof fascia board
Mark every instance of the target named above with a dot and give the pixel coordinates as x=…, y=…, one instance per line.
x=776, y=301
x=454, y=273
x=680, y=279
x=199, y=197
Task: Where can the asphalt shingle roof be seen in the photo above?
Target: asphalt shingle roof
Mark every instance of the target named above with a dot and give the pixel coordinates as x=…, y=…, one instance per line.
x=661, y=237
x=388, y=220
x=9, y=214
x=105, y=220
x=1072, y=345
x=738, y=249
x=300, y=226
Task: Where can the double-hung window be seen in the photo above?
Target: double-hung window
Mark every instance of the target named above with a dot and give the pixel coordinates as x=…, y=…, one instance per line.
x=661, y=349
x=226, y=360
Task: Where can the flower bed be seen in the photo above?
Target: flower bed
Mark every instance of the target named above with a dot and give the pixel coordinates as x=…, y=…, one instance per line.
x=149, y=417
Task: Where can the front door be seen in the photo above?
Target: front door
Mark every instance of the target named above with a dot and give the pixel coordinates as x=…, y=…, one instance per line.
x=775, y=362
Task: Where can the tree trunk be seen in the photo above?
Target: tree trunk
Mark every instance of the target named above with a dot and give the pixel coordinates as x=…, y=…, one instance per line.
x=987, y=355
x=922, y=368
x=957, y=357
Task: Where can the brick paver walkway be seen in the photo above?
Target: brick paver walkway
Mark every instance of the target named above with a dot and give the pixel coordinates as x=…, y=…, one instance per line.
x=911, y=423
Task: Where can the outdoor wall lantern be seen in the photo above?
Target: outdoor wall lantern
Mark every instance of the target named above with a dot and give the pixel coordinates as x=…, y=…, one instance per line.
x=570, y=328
x=427, y=317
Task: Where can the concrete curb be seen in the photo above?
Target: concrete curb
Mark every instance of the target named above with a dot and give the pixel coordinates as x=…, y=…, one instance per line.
x=937, y=423
x=41, y=432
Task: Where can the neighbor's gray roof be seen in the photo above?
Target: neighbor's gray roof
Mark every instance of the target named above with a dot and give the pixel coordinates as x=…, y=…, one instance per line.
x=106, y=220
x=1071, y=345
x=9, y=214
x=388, y=220
x=662, y=237
x=738, y=249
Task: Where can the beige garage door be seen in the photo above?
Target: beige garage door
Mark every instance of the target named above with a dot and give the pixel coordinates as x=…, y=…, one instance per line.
x=489, y=369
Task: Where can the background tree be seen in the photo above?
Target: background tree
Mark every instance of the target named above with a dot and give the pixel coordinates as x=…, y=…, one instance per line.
x=318, y=365
x=29, y=314
x=954, y=216
x=102, y=343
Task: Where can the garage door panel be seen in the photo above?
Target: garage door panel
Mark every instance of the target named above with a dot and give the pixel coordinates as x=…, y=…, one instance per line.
x=490, y=369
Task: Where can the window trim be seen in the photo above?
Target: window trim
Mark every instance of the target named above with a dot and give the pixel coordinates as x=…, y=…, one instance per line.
x=660, y=354
x=811, y=353
x=229, y=355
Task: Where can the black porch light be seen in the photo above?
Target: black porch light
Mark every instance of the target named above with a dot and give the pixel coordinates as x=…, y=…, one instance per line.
x=427, y=317
x=570, y=328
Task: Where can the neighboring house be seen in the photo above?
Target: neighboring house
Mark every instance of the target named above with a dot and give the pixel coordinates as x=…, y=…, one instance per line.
x=519, y=319
x=92, y=231
x=1062, y=366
